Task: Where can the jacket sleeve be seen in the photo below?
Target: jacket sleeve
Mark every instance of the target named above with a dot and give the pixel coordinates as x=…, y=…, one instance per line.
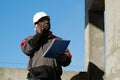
x=67, y=59
x=30, y=44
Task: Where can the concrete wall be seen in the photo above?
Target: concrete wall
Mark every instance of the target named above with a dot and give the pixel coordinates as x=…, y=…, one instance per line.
x=112, y=13
x=94, y=33
x=94, y=39
x=95, y=42
x=12, y=74
x=20, y=74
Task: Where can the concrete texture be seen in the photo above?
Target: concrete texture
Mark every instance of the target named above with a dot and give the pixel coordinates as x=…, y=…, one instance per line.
x=94, y=33
x=20, y=74
x=12, y=74
x=112, y=13
x=94, y=39
x=102, y=47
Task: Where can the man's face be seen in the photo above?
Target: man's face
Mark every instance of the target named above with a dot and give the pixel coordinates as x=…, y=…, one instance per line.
x=43, y=23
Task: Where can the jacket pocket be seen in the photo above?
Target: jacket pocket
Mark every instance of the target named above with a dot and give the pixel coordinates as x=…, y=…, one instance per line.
x=43, y=72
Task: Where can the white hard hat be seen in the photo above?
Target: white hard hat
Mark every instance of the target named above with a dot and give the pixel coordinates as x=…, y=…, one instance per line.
x=38, y=16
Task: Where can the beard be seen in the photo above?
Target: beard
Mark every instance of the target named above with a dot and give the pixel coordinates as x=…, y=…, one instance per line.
x=46, y=30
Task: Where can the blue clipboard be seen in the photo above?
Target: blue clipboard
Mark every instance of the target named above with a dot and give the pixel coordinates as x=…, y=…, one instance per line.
x=57, y=47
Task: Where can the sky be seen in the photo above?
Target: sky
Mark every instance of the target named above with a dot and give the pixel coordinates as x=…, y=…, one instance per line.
x=16, y=23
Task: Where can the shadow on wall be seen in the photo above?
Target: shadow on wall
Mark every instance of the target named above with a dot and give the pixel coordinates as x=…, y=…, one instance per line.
x=94, y=73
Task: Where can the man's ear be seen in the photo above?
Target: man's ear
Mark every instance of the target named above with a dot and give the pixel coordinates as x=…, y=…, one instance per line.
x=35, y=28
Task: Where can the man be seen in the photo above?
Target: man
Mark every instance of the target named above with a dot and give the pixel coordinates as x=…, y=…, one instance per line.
x=39, y=67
